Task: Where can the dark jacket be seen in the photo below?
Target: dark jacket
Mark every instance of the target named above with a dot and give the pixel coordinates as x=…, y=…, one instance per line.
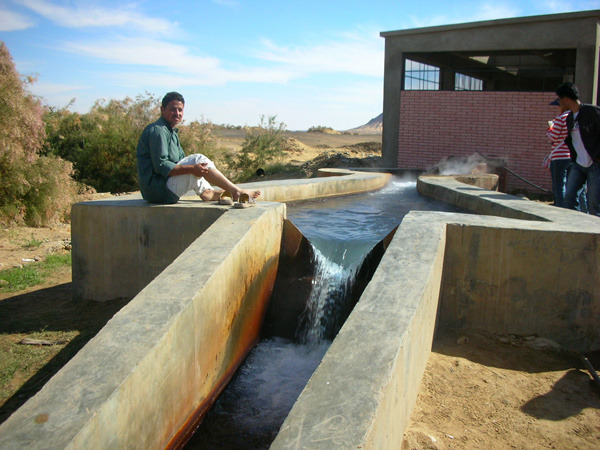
x=589, y=128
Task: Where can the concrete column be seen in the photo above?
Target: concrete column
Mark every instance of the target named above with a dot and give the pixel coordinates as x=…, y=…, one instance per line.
x=586, y=74
x=392, y=86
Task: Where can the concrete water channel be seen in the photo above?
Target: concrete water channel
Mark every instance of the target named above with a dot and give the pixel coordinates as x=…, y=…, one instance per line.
x=311, y=301
x=151, y=373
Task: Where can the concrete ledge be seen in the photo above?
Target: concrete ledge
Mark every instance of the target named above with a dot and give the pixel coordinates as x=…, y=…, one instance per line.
x=155, y=368
x=121, y=244
x=331, y=183
x=536, y=276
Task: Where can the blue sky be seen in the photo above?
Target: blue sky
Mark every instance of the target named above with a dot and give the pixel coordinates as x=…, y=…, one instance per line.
x=308, y=62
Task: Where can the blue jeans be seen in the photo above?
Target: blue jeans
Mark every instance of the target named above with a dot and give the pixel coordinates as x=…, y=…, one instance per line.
x=559, y=168
x=578, y=177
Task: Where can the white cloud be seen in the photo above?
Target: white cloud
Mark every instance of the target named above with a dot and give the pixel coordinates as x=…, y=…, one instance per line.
x=174, y=64
x=147, y=52
x=80, y=16
x=485, y=11
x=13, y=21
x=355, y=54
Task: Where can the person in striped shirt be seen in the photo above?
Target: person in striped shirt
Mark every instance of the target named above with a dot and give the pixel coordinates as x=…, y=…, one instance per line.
x=560, y=155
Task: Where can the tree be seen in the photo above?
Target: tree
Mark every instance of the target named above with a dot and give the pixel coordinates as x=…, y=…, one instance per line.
x=34, y=189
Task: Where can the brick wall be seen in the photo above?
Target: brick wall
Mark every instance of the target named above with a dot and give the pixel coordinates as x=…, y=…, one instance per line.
x=508, y=125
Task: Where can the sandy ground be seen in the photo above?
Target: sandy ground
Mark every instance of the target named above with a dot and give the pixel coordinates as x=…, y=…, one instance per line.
x=495, y=392
x=478, y=391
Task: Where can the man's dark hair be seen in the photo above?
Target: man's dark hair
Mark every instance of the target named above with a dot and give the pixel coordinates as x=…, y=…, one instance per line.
x=170, y=97
x=568, y=90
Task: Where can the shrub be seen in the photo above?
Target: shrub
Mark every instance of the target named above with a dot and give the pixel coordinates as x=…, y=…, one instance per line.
x=199, y=137
x=262, y=145
x=102, y=143
x=319, y=129
x=35, y=190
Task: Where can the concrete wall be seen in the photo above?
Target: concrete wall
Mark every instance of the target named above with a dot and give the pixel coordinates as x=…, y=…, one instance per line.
x=120, y=245
x=517, y=280
x=510, y=126
x=536, y=276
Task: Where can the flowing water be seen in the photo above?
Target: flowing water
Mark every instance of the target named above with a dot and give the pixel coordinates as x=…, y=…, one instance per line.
x=342, y=231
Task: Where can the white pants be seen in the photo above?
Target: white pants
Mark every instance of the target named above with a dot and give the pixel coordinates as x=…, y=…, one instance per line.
x=182, y=184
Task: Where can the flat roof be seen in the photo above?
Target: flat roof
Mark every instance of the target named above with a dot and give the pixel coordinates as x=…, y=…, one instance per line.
x=497, y=22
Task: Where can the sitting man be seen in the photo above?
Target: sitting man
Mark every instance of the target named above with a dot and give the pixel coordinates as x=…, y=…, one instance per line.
x=165, y=173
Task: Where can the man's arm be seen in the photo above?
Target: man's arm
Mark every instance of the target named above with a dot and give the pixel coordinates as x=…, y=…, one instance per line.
x=159, y=153
x=198, y=170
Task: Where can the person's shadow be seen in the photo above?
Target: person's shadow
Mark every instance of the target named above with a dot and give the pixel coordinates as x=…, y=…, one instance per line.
x=565, y=399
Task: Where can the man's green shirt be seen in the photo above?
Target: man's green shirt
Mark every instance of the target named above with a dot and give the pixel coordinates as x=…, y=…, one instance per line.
x=158, y=151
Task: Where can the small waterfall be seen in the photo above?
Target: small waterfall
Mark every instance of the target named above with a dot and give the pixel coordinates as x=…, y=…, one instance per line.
x=327, y=304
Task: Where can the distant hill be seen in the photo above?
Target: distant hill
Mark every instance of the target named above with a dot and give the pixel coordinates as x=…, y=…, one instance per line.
x=373, y=126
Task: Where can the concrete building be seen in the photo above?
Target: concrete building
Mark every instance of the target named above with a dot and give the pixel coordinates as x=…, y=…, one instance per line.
x=484, y=87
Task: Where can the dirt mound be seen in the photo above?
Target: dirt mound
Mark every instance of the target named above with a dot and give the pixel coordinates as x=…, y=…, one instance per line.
x=365, y=147
x=294, y=145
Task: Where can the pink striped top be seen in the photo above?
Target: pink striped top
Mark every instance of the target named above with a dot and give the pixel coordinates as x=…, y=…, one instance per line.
x=557, y=133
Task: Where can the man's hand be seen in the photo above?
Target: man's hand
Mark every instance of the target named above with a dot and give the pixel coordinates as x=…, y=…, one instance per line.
x=198, y=170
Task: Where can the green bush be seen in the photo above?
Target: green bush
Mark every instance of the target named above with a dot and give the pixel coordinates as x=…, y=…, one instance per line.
x=262, y=145
x=102, y=143
x=35, y=190
x=199, y=137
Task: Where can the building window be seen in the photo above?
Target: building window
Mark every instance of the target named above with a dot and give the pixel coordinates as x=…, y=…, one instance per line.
x=421, y=77
x=467, y=83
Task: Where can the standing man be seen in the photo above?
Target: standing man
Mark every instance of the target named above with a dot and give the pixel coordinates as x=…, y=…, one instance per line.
x=165, y=173
x=583, y=139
